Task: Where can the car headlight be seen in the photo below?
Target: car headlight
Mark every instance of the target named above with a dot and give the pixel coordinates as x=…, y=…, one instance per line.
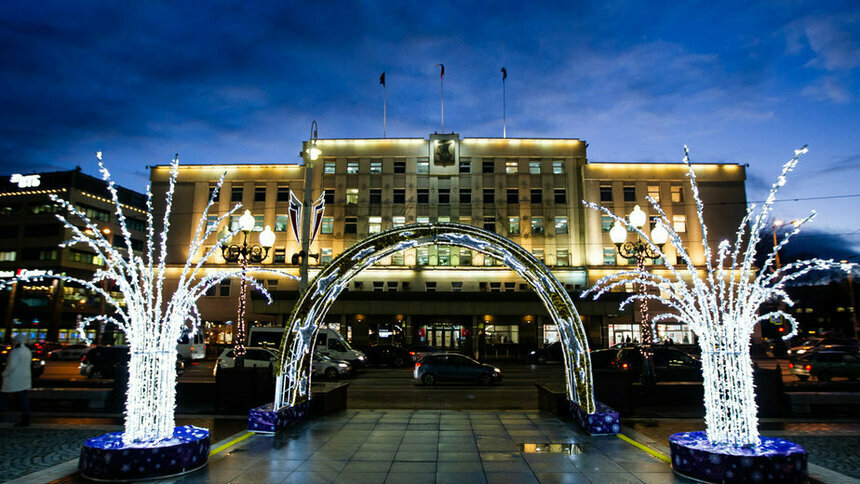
x=361, y=358
x=42, y=362
x=342, y=365
x=533, y=353
x=800, y=352
x=497, y=370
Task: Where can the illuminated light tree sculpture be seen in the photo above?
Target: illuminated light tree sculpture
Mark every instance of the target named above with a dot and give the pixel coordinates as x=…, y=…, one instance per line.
x=720, y=303
x=151, y=316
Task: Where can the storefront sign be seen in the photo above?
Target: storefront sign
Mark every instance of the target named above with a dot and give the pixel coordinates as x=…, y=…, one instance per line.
x=25, y=181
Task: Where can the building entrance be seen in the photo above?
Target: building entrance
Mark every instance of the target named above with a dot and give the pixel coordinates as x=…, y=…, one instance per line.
x=444, y=336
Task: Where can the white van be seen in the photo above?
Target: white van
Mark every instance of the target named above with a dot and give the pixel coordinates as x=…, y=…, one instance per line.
x=192, y=347
x=329, y=343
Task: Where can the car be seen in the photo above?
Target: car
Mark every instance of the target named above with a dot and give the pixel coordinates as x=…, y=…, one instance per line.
x=70, y=352
x=440, y=367
x=670, y=364
x=43, y=348
x=322, y=365
x=106, y=362
x=551, y=353
x=810, y=345
x=825, y=365
x=604, y=359
x=388, y=355
x=37, y=366
x=416, y=352
x=255, y=357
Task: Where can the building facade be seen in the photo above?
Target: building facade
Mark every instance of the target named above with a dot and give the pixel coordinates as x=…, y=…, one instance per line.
x=529, y=190
x=30, y=238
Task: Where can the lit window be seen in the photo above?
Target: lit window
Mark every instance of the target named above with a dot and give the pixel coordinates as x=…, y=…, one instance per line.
x=8, y=256
x=537, y=225
x=423, y=220
x=558, y=167
x=443, y=219
x=466, y=220
x=605, y=193
x=534, y=167
x=538, y=253
x=352, y=196
x=629, y=193
x=211, y=221
x=465, y=257
x=562, y=257
x=511, y=167
x=609, y=256
x=328, y=168
x=423, y=167
x=677, y=196
x=444, y=255
x=398, y=221
x=513, y=225
x=654, y=192
x=397, y=259
x=258, y=223
x=282, y=222
x=374, y=225
x=679, y=222
x=327, y=225
x=561, y=225
x=606, y=223
x=422, y=256
x=376, y=166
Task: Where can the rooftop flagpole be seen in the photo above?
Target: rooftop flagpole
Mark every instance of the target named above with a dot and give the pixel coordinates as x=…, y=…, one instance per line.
x=382, y=81
x=442, y=93
x=504, y=115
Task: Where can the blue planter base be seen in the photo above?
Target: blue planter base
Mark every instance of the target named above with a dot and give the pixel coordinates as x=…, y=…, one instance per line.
x=105, y=458
x=773, y=460
x=604, y=420
x=266, y=420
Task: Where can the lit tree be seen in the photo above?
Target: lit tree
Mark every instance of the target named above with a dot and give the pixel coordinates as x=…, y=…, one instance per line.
x=151, y=316
x=720, y=302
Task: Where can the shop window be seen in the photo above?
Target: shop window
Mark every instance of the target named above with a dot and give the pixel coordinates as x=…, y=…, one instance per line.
x=609, y=256
x=422, y=256
x=606, y=223
x=397, y=259
x=465, y=257
x=538, y=253
x=444, y=255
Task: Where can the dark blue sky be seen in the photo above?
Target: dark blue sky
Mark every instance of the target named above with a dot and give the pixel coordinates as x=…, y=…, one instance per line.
x=235, y=82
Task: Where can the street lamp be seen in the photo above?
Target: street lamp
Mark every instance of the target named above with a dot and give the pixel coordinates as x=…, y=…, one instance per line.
x=243, y=254
x=640, y=250
x=310, y=153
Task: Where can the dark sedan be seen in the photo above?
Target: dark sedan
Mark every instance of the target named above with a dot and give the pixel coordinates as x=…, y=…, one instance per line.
x=670, y=364
x=388, y=355
x=453, y=367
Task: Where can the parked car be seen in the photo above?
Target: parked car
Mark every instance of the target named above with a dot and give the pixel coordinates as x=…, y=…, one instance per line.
x=254, y=358
x=670, y=364
x=388, y=355
x=105, y=362
x=70, y=352
x=551, y=353
x=322, y=365
x=37, y=366
x=604, y=359
x=811, y=345
x=43, y=348
x=454, y=367
x=416, y=352
x=329, y=342
x=825, y=365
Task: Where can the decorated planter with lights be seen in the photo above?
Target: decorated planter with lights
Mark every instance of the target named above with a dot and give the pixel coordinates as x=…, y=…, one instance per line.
x=773, y=460
x=108, y=458
x=266, y=420
x=604, y=420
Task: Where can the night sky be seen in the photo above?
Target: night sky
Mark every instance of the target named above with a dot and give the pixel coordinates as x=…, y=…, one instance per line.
x=240, y=82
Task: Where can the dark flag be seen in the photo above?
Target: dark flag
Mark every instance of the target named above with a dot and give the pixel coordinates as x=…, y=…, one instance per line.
x=504, y=73
x=382, y=79
x=441, y=74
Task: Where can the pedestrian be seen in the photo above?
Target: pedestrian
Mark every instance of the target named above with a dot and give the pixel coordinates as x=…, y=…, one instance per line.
x=17, y=378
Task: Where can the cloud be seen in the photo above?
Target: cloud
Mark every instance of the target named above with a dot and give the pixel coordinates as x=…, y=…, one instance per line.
x=845, y=164
x=833, y=40
x=827, y=89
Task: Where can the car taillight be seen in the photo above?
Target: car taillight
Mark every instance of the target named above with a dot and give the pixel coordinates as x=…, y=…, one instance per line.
x=192, y=348
x=791, y=365
x=808, y=367
x=624, y=365
x=412, y=353
x=417, y=365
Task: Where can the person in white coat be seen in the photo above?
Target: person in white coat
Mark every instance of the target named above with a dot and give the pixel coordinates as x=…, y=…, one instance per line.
x=17, y=378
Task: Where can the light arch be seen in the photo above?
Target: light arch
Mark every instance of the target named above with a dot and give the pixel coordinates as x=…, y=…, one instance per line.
x=294, y=362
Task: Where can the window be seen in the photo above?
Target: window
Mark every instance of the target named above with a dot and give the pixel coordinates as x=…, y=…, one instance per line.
x=677, y=196
x=283, y=194
x=513, y=225
x=562, y=257
x=444, y=255
x=85, y=257
x=351, y=167
x=399, y=195
x=488, y=165
x=282, y=223
x=537, y=225
x=679, y=222
x=280, y=256
x=558, y=167
x=94, y=214
x=422, y=256
x=234, y=223
x=378, y=286
x=538, y=253
x=537, y=195
x=495, y=287
x=423, y=166
x=560, y=195
x=489, y=195
x=445, y=195
x=422, y=220
x=375, y=195
x=224, y=289
x=376, y=166
x=213, y=192
x=609, y=256
x=329, y=168
x=328, y=196
x=605, y=193
x=398, y=221
x=236, y=194
x=606, y=223
x=465, y=195
x=430, y=286
x=465, y=166
x=629, y=193
x=654, y=192
x=8, y=256
x=397, y=259
x=511, y=167
x=211, y=221
x=490, y=224
x=258, y=223
x=456, y=286
x=327, y=225
x=374, y=225
x=352, y=196
x=391, y=286
x=513, y=195
x=466, y=220
x=259, y=194
x=561, y=225
x=465, y=257
x=135, y=224
x=534, y=167
x=443, y=218
x=350, y=225
x=423, y=195
x=399, y=166
x=510, y=286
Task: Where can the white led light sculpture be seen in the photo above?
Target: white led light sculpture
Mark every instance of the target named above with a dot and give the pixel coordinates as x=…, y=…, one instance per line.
x=721, y=306
x=153, y=318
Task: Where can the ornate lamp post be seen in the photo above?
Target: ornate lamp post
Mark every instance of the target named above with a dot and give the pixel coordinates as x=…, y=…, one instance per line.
x=310, y=153
x=640, y=251
x=243, y=254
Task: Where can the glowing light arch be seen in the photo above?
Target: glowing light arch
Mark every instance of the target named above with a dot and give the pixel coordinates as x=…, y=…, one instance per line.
x=294, y=363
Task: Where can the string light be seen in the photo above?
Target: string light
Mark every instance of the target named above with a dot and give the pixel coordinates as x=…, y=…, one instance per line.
x=721, y=304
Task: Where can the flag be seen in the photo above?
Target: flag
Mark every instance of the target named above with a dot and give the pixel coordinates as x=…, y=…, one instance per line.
x=504, y=73
x=441, y=74
x=382, y=79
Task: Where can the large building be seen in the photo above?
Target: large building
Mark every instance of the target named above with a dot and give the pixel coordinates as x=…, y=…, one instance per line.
x=529, y=190
x=30, y=238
